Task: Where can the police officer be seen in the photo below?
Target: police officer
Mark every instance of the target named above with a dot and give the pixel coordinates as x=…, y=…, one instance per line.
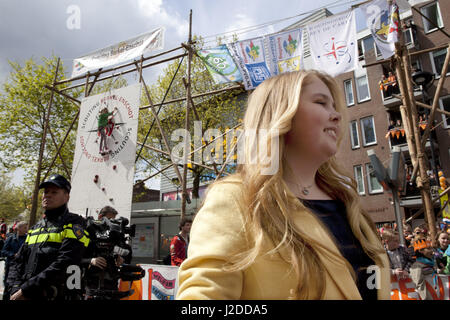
x=39, y=270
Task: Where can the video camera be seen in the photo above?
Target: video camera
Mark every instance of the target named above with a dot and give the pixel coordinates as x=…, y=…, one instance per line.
x=109, y=239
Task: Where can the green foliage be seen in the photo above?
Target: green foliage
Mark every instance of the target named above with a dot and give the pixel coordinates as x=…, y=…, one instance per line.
x=13, y=200
x=23, y=106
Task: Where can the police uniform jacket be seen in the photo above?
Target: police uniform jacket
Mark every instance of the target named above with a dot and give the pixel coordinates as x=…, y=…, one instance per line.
x=53, y=244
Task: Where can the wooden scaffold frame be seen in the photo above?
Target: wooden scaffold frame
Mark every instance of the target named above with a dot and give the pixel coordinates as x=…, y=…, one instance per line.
x=136, y=66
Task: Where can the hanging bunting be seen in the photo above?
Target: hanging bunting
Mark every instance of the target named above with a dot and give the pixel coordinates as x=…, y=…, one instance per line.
x=251, y=60
x=383, y=21
x=220, y=64
x=285, y=51
x=333, y=43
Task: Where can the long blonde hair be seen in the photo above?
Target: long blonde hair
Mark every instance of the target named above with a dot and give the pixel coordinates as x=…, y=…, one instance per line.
x=267, y=203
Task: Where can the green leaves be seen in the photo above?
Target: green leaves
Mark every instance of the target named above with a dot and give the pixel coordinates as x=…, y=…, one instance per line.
x=13, y=200
x=23, y=106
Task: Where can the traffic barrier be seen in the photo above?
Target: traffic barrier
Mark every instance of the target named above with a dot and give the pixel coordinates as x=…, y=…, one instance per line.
x=405, y=289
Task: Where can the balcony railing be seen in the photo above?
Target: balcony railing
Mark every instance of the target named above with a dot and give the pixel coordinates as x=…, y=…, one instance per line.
x=397, y=135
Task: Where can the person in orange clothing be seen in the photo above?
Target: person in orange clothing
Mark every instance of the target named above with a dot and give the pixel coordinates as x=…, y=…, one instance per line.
x=179, y=243
x=392, y=80
x=442, y=181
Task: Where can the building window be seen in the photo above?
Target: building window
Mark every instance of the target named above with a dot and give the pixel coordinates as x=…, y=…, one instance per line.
x=438, y=59
x=348, y=88
x=359, y=177
x=354, y=134
x=415, y=64
x=362, y=88
x=372, y=182
x=368, y=131
x=360, y=50
x=433, y=13
x=444, y=103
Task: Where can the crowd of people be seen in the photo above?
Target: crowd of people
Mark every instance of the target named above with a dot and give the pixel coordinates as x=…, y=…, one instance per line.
x=417, y=258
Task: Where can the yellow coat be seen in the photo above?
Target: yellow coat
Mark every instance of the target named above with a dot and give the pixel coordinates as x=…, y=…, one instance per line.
x=218, y=231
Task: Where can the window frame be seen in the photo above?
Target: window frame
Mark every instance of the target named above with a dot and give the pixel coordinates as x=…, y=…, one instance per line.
x=357, y=91
x=345, y=92
x=357, y=135
x=444, y=116
x=369, y=184
x=355, y=167
x=433, y=64
x=411, y=34
x=365, y=144
x=426, y=23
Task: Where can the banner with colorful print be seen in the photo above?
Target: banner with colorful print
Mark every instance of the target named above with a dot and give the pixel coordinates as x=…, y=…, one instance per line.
x=444, y=202
x=285, y=51
x=250, y=58
x=105, y=148
x=333, y=43
x=220, y=64
x=382, y=21
x=159, y=283
x=120, y=52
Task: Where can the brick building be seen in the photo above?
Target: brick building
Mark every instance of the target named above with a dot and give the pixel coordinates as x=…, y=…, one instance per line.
x=371, y=110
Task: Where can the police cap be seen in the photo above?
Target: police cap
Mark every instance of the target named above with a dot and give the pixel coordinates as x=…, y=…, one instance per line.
x=57, y=180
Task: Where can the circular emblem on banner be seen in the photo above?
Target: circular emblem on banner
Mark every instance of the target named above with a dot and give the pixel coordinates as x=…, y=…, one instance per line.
x=383, y=24
x=105, y=133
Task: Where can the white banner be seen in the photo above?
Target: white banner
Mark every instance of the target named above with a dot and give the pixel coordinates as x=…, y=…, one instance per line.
x=382, y=21
x=105, y=150
x=285, y=51
x=120, y=52
x=333, y=43
x=405, y=289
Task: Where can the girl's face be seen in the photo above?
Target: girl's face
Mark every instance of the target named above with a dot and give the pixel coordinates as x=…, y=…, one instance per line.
x=443, y=240
x=315, y=126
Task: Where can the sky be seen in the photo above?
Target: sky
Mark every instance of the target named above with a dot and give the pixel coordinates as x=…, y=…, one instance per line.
x=70, y=29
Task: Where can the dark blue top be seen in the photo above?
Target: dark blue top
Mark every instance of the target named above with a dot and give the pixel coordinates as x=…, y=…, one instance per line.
x=12, y=245
x=333, y=215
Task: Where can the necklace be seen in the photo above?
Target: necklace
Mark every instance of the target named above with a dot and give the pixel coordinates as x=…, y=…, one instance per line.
x=304, y=190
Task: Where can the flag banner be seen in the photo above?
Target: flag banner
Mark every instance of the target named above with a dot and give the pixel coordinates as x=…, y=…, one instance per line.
x=333, y=43
x=285, y=51
x=251, y=60
x=405, y=289
x=159, y=283
x=105, y=149
x=382, y=21
x=120, y=52
x=220, y=64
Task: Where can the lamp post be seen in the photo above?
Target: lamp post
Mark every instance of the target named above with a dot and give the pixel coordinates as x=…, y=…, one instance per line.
x=424, y=79
x=392, y=180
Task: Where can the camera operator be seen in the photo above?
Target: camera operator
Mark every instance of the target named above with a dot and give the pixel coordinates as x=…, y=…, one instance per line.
x=100, y=262
x=101, y=270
